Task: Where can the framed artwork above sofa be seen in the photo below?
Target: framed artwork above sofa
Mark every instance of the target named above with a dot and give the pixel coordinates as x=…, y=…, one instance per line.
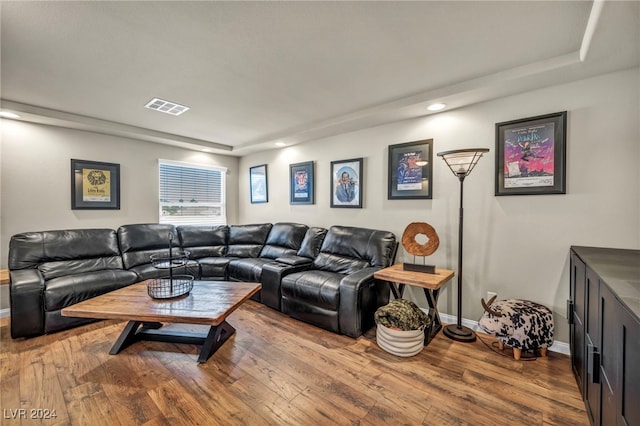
x=95, y=185
x=346, y=183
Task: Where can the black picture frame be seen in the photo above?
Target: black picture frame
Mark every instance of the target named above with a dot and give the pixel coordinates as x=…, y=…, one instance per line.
x=259, y=188
x=347, y=183
x=531, y=155
x=408, y=177
x=95, y=185
x=301, y=183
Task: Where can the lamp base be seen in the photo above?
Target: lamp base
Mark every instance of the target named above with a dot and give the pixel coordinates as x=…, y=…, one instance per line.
x=460, y=334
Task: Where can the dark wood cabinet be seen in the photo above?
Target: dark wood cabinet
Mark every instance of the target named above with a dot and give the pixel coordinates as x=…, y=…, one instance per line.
x=575, y=315
x=630, y=369
x=603, y=313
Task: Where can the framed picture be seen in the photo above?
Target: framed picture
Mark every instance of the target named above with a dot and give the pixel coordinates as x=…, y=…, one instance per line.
x=94, y=185
x=301, y=183
x=346, y=183
x=410, y=170
x=258, y=182
x=531, y=155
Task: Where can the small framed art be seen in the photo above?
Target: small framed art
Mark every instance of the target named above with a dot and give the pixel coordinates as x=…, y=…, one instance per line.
x=301, y=183
x=346, y=183
x=531, y=155
x=95, y=185
x=258, y=184
x=410, y=170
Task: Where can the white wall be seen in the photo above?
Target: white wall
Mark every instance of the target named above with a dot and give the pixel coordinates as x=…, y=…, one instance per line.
x=36, y=180
x=516, y=246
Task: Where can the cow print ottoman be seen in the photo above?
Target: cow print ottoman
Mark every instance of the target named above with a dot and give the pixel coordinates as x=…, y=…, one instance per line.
x=521, y=324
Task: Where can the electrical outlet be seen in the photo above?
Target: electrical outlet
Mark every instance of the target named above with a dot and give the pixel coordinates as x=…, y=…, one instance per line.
x=490, y=294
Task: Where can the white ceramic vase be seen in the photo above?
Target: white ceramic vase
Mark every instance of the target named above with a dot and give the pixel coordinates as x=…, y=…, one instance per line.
x=400, y=342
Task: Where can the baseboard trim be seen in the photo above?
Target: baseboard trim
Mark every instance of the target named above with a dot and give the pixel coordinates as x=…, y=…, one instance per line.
x=559, y=347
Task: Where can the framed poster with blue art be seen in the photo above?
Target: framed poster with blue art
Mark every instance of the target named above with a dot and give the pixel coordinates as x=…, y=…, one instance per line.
x=531, y=155
x=301, y=183
x=258, y=184
x=410, y=170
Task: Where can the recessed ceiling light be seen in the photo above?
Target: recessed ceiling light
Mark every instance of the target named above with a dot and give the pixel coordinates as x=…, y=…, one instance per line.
x=436, y=107
x=281, y=144
x=166, y=106
x=7, y=114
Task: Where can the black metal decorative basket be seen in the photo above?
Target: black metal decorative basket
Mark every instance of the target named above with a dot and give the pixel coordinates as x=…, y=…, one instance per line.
x=173, y=285
x=170, y=287
x=174, y=259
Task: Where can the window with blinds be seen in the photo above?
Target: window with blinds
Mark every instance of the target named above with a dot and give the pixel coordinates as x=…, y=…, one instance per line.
x=192, y=194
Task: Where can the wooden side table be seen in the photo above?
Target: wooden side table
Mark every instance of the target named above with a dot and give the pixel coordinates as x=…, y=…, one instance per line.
x=4, y=276
x=398, y=278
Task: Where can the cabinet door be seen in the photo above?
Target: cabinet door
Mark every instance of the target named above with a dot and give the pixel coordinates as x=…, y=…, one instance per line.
x=611, y=339
x=629, y=398
x=592, y=341
x=576, y=319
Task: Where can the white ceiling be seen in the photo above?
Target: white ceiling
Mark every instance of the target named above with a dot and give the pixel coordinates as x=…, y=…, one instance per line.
x=254, y=73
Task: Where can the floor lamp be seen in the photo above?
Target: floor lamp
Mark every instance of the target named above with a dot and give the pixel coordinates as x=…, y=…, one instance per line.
x=461, y=162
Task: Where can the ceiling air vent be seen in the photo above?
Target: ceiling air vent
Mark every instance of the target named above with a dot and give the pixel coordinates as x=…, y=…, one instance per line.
x=166, y=106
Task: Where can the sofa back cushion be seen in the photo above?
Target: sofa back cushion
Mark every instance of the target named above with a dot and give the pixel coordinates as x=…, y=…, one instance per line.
x=65, y=252
x=348, y=249
x=139, y=241
x=203, y=241
x=312, y=242
x=247, y=240
x=284, y=239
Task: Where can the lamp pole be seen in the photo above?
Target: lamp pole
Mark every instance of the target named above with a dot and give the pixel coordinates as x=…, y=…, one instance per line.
x=459, y=332
x=461, y=162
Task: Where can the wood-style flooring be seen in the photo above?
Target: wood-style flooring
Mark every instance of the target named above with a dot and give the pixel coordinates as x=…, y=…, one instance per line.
x=277, y=371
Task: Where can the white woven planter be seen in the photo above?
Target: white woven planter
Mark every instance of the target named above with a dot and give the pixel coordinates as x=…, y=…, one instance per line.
x=399, y=342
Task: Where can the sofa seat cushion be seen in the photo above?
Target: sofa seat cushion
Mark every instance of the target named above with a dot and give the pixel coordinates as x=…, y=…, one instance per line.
x=317, y=288
x=215, y=267
x=248, y=270
x=68, y=290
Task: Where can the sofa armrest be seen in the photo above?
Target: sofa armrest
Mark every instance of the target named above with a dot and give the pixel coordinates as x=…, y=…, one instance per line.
x=357, y=297
x=26, y=299
x=271, y=279
x=294, y=260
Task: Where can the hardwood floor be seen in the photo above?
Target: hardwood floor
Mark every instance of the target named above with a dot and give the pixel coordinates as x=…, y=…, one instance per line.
x=276, y=370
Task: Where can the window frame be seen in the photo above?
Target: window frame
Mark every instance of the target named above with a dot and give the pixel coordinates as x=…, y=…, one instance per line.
x=190, y=220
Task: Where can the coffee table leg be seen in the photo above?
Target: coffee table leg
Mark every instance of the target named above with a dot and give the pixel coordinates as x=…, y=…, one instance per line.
x=216, y=338
x=127, y=337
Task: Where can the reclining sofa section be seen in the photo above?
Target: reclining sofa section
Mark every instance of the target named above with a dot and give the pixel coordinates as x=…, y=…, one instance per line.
x=320, y=276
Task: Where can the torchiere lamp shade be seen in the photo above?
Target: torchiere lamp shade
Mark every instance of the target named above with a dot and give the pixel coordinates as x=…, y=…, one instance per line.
x=462, y=161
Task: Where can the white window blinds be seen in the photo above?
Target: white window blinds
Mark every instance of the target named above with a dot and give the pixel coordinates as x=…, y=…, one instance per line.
x=192, y=194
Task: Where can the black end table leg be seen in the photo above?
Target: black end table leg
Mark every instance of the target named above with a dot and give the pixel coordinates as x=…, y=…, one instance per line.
x=397, y=290
x=432, y=300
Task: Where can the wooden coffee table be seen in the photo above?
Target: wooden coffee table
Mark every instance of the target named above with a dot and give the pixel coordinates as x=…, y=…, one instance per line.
x=208, y=303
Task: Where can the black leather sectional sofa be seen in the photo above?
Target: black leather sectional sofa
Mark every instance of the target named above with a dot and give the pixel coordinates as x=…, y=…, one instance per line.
x=320, y=276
